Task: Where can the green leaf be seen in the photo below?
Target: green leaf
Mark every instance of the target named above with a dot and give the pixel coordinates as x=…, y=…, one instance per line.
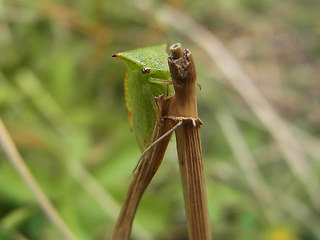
x=145, y=66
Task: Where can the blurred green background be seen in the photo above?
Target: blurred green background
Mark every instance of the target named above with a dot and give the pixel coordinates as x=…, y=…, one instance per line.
x=61, y=98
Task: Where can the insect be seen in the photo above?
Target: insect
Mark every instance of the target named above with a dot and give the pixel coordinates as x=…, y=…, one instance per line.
x=147, y=77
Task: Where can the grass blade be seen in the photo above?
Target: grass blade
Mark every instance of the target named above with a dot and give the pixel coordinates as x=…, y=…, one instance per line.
x=17, y=161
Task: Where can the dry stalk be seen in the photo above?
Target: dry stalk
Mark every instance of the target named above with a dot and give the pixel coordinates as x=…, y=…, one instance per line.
x=184, y=108
x=143, y=174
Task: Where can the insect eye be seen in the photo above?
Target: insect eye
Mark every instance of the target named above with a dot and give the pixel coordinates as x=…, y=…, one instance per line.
x=145, y=70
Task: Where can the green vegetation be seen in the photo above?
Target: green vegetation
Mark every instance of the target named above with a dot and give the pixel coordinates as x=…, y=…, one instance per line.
x=62, y=100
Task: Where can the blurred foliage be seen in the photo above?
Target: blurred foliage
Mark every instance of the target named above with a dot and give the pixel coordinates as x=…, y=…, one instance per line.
x=61, y=97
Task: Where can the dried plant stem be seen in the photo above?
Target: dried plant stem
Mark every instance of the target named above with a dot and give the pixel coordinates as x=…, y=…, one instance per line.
x=143, y=174
x=192, y=176
x=15, y=158
x=184, y=106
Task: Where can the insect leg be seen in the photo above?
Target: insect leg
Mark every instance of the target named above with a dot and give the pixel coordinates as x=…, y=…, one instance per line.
x=157, y=141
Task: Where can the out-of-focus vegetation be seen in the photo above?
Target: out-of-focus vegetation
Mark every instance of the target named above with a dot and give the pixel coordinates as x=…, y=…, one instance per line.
x=61, y=98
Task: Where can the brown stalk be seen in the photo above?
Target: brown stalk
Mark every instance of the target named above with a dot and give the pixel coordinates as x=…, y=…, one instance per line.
x=143, y=174
x=184, y=108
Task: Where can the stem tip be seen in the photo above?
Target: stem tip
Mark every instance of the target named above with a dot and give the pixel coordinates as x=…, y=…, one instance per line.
x=176, y=50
